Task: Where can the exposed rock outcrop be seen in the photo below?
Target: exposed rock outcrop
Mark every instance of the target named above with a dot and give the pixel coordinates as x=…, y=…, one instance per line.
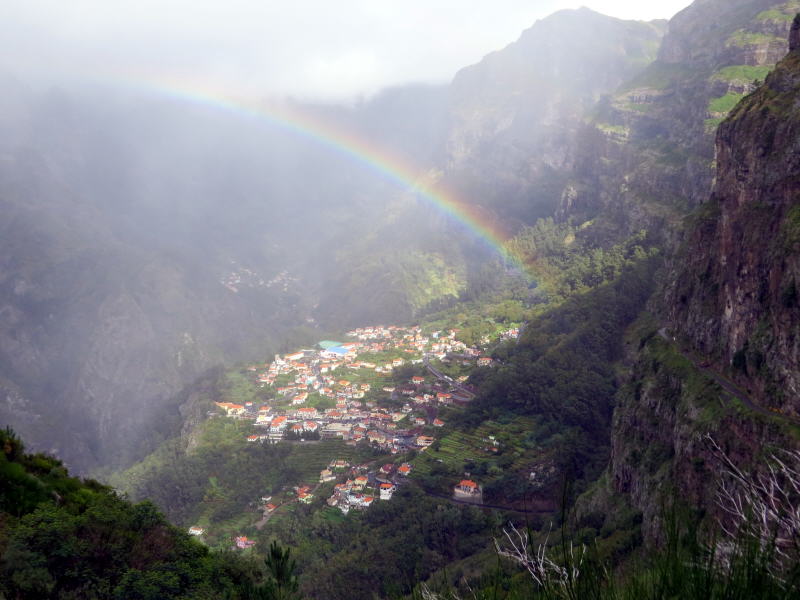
x=794, y=35
x=514, y=115
x=735, y=293
x=666, y=415
x=732, y=303
x=653, y=158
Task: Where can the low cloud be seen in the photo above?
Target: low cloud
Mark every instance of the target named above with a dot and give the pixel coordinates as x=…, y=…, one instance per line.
x=305, y=48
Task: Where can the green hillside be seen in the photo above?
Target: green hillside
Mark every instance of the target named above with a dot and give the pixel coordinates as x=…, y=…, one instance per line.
x=61, y=537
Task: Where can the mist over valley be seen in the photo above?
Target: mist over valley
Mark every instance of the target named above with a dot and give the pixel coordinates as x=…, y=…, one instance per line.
x=290, y=309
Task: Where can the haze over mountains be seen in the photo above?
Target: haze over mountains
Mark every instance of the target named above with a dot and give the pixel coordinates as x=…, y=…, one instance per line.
x=113, y=290
x=308, y=50
x=126, y=216
x=638, y=329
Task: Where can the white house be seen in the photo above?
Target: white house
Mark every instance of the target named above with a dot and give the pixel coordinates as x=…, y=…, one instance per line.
x=386, y=491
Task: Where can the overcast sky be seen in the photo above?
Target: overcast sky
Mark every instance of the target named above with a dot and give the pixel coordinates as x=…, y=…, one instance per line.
x=323, y=49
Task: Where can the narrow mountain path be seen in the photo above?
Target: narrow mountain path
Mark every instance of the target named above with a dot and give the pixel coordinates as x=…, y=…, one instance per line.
x=726, y=384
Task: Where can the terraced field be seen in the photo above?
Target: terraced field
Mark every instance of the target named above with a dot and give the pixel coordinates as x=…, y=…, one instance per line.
x=459, y=447
x=220, y=536
x=309, y=458
x=454, y=450
x=238, y=387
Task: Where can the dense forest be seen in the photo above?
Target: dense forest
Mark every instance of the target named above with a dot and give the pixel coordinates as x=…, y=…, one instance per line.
x=62, y=537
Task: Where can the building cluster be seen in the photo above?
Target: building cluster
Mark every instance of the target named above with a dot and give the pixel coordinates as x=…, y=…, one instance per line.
x=241, y=277
x=304, y=494
x=510, y=334
x=362, y=485
x=327, y=392
x=335, y=373
x=468, y=491
x=242, y=542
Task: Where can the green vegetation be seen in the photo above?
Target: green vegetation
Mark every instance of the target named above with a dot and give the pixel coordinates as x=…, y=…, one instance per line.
x=427, y=278
x=782, y=14
x=397, y=282
x=570, y=260
x=744, y=38
x=238, y=388
x=687, y=566
x=659, y=76
x=776, y=101
x=774, y=15
x=640, y=107
x=65, y=538
x=712, y=124
x=307, y=460
x=724, y=104
x=671, y=154
x=790, y=228
x=384, y=551
x=743, y=73
x=281, y=582
x=617, y=130
x=499, y=454
x=217, y=481
x=561, y=372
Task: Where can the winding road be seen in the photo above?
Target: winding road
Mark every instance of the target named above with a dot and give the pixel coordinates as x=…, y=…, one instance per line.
x=726, y=384
x=439, y=375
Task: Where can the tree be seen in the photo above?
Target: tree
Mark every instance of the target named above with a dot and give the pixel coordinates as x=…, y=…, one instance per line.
x=281, y=583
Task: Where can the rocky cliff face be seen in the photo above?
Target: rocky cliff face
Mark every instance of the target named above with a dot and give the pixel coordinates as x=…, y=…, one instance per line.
x=735, y=294
x=513, y=115
x=731, y=301
x=760, y=28
x=647, y=156
x=667, y=412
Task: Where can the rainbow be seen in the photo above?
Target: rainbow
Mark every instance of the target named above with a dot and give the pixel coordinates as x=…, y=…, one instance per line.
x=380, y=160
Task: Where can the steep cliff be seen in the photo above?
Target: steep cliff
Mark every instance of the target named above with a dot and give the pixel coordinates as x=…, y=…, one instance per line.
x=646, y=156
x=735, y=295
x=513, y=116
x=668, y=410
x=730, y=301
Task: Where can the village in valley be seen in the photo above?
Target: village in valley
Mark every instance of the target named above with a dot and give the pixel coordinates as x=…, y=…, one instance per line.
x=241, y=277
x=387, y=389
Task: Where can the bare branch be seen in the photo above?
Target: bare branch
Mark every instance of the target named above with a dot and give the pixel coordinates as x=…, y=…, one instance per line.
x=764, y=504
x=544, y=571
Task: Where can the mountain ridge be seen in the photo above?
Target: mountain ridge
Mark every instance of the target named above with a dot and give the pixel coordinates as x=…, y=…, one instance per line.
x=660, y=219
